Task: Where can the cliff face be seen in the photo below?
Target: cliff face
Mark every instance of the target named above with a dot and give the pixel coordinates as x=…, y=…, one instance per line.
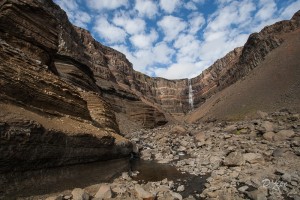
x=266, y=76
x=53, y=73
x=171, y=96
x=47, y=97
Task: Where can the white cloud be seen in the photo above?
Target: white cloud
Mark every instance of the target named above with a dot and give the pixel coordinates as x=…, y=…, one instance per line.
x=161, y=39
x=144, y=40
x=106, y=4
x=180, y=70
x=188, y=48
x=172, y=26
x=226, y=29
x=108, y=31
x=267, y=10
x=131, y=26
x=190, y=5
x=288, y=12
x=196, y=22
x=144, y=60
x=169, y=5
x=163, y=53
x=146, y=8
x=76, y=16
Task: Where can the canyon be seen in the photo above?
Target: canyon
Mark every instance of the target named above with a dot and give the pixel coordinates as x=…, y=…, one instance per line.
x=67, y=99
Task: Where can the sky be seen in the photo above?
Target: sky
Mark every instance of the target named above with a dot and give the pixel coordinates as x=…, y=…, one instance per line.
x=175, y=38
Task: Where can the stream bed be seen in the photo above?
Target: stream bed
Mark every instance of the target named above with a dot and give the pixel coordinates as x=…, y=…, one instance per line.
x=54, y=180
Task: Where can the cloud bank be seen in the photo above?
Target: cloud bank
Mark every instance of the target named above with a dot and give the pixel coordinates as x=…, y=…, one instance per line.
x=172, y=38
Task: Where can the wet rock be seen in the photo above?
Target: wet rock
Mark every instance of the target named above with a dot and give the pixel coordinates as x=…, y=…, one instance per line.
x=126, y=176
x=104, y=192
x=146, y=154
x=67, y=197
x=135, y=148
x=234, y=159
x=180, y=188
x=80, y=194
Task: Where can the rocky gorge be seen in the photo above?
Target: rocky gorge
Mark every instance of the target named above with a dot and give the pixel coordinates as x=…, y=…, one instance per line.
x=251, y=159
x=67, y=99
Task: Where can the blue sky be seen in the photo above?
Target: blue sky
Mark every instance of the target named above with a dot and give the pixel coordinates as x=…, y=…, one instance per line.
x=175, y=38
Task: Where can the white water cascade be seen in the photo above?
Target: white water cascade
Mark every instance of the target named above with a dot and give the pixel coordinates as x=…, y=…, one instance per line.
x=191, y=101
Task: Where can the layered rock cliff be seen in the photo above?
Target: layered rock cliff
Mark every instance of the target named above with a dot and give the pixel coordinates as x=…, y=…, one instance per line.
x=266, y=77
x=53, y=73
x=47, y=97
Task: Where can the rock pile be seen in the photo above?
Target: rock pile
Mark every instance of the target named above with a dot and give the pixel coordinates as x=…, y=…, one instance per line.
x=243, y=157
x=240, y=160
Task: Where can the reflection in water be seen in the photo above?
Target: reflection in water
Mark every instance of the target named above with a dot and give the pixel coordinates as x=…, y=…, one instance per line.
x=152, y=171
x=52, y=180
x=46, y=181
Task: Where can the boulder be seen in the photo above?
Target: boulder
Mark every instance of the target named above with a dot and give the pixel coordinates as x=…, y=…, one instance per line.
x=104, y=192
x=253, y=158
x=55, y=198
x=284, y=134
x=180, y=188
x=260, y=194
x=230, y=129
x=80, y=194
x=215, y=161
x=262, y=114
x=269, y=136
x=143, y=194
x=234, y=159
x=267, y=126
x=178, y=130
x=200, y=137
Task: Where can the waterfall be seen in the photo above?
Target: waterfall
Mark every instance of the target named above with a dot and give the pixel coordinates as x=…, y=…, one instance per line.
x=191, y=101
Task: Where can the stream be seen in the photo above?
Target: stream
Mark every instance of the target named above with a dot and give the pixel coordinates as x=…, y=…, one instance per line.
x=46, y=181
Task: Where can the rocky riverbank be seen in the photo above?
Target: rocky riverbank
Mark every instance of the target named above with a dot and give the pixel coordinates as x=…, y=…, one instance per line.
x=251, y=159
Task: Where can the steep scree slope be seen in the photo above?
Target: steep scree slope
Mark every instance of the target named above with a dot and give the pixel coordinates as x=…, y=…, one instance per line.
x=273, y=77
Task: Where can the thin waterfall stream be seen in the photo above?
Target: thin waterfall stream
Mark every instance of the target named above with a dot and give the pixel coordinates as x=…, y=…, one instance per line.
x=191, y=101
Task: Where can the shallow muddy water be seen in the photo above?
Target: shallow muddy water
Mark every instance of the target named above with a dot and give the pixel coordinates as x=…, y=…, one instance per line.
x=40, y=182
x=153, y=171
x=58, y=179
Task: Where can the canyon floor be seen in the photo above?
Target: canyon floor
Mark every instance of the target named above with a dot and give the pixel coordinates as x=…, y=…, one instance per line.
x=251, y=159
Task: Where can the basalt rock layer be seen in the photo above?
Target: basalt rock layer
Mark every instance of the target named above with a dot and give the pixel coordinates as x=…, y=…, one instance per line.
x=47, y=97
x=53, y=72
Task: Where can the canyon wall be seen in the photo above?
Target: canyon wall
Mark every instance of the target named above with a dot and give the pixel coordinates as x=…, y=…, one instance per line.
x=52, y=112
x=58, y=81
